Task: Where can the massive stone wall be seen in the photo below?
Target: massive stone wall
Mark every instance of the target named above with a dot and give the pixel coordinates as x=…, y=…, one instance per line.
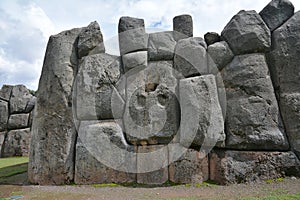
x=172, y=107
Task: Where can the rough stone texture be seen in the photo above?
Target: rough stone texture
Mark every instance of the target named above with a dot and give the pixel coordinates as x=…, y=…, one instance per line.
x=152, y=110
x=17, y=121
x=5, y=92
x=4, y=114
x=253, y=120
x=100, y=142
x=201, y=115
x=211, y=38
x=132, y=35
x=2, y=138
x=219, y=55
x=183, y=24
x=189, y=168
x=150, y=158
x=30, y=105
x=20, y=96
x=161, y=46
x=227, y=167
x=190, y=57
x=133, y=60
x=95, y=88
x=52, y=154
x=90, y=40
x=17, y=143
x=276, y=13
x=247, y=33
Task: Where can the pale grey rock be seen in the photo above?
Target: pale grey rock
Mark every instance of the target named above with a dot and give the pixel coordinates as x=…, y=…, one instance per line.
x=102, y=154
x=211, y=38
x=253, y=120
x=190, y=57
x=132, y=35
x=202, y=123
x=219, y=55
x=276, y=13
x=17, y=143
x=190, y=167
x=90, y=40
x=152, y=109
x=2, y=138
x=18, y=121
x=161, y=46
x=183, y=24
x=135, y=59
x=228, y=167
x=247, y=33
x=20, y=96
x=95, y=88
x=5, y=92
x=4, y=114
x=30, y=105
x=53, y=131
x=152, y=165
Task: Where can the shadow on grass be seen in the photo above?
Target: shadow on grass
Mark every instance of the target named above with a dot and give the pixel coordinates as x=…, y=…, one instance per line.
x=14, y=175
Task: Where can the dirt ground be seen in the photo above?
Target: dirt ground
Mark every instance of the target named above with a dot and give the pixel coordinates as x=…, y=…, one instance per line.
x=188, y=192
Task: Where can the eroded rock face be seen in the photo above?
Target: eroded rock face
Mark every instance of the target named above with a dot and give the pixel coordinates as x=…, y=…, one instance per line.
x=276, y=13
x=4, y=113
x=219, y=55
x=19, y=99
x=52, y=155
x=136, y=59
x=253, y=120
x=183, y=24
x=211, y=38
x=227, y=167
x=247, y=33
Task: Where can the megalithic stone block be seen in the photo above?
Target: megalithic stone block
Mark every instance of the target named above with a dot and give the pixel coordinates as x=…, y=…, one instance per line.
x=183, y=26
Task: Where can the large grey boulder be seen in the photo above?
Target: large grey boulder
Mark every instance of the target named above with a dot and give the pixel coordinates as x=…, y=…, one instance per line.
x=152, y=110
x=90, y=40
x=103, y=155
x=219, y=55
x=190, y=167
x=202, y=121
x=247, y=33
x=190, y=57
x=284, y=67
x=20, y=96
x=53, y=131
x=132, y=35
x=2, y=138
x=161, y=46
x=228, y=167
x=253, y=120
x=135, y=59
x=17, y=121
x=183, y=26
x=17, y=143
x=5, y=92
x=211, y=38
x=4, y=114
x=95, y=88
x=276, y=13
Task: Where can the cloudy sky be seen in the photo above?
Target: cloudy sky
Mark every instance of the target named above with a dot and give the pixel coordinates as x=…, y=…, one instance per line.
x=25, y=25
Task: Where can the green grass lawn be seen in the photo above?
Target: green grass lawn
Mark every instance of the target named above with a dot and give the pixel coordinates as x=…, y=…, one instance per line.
x=12, y=166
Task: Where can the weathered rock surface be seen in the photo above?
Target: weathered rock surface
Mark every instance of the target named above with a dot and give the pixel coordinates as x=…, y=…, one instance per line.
x=99, y=143
x=190, y=57
x=253, y=120
x=153, y=160
x=52, y=155
x=90, y=40
x=5, y=92
x=183, y=24
x=276, y=13
x=161, y=46
x=132, y=35
x=227, y=167
x=135, y=59
x=189, y=168
x=17, y=121
x=20, y=96
x=211, y=38
x=95, y=88
x=219, y=55
x=247, y=33
x=2, y=138
x=152, y=109
x=4, y=114
x=17, y=143
x=201, y=115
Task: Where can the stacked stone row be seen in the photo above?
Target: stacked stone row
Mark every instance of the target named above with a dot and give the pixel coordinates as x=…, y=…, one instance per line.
x=16, y=110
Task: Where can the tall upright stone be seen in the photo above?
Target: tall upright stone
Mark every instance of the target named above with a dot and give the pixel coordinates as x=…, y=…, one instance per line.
x=53, y=131
x=183, y=26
